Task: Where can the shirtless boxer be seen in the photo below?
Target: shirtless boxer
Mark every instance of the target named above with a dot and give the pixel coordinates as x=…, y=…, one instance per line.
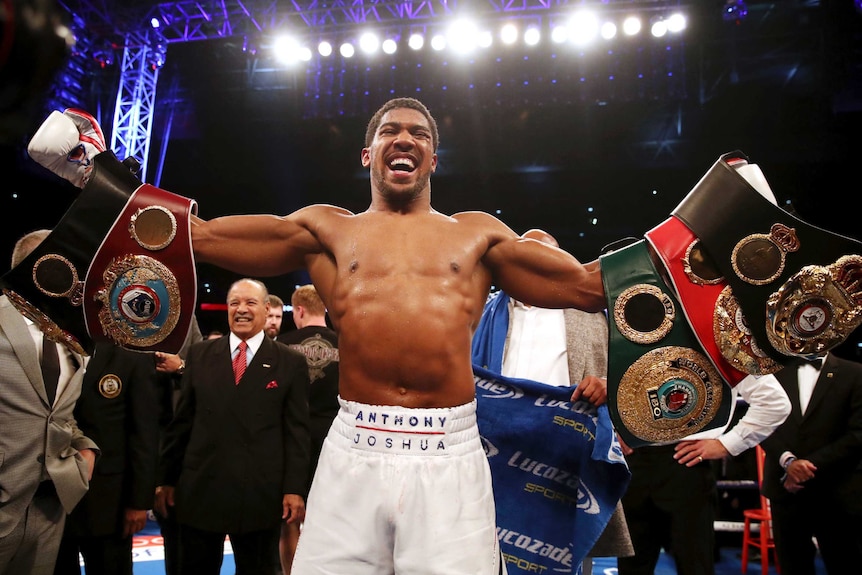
x=403, y=484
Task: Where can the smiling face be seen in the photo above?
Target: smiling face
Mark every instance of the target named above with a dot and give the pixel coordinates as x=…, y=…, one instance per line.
x=246, y=308
x=401, y=157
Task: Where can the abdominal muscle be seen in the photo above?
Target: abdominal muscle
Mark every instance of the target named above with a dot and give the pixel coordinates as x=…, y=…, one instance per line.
x=406, y=351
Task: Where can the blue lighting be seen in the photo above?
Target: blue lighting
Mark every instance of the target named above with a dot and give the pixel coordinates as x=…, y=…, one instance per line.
x=735, y=11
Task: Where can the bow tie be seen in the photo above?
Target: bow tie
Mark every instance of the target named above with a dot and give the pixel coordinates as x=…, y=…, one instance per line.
x=816, y=363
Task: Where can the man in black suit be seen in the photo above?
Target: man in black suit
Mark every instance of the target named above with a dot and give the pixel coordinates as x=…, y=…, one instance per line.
x=813, y=470
x=170, y=367
x=118, y=409
x=236, y=455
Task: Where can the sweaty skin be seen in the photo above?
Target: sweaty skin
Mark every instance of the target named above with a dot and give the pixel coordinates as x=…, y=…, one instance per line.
x=404, y=284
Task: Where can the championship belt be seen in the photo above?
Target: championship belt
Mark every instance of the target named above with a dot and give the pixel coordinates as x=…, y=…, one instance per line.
x=661, y=386
x=799, y=286
x=708, y=303
x=141, y=287
x=48, y=285
x=58, y=284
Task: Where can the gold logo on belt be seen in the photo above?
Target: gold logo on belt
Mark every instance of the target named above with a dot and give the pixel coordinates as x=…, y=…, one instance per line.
x=644, y=313
x=669, y=393
x=140, y=301
x=153, y=227
x=817, y=308
x=699, y=267
x=56, y=276
x=735, y=340
x=759, y=259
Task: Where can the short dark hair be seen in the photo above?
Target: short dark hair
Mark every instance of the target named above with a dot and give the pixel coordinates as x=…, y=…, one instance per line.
x=393, y=104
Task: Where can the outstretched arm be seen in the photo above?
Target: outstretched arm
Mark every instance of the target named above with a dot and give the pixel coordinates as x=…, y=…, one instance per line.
x=542, y=275
x=260, y=245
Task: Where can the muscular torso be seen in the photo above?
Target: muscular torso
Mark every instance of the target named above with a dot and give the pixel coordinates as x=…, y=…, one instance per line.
x=404, y=293
x=404, y=290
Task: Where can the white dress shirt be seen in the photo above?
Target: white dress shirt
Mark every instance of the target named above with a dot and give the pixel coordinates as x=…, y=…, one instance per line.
x=768, y=407
x=536, y=347
x=253, y=342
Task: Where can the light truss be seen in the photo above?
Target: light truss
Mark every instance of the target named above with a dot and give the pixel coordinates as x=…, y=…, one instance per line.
x=129, y=26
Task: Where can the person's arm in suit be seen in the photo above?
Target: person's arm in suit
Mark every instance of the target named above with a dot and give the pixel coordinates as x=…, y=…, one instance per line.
x=142, y=442
x=176, y=437
x=297, y=443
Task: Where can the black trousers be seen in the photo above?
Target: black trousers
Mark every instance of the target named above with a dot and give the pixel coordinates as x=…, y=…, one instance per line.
x=796, y=519
x=201, y=552
x=105, y=555
x=672, y=506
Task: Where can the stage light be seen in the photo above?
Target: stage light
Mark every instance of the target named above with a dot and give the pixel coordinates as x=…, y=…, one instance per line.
x=509, y=34
x=389, y=46
x=532, y=36
x=676, y=22
x=583, y=27
x=559, y=34
x=608, y=30
x=155, y=23
x=461, y=36
x=438, y=42
x=631, y=25
x=485, y=39
x=288, y=50
x=658, y=28
x=347, y=50
x=324, y=49
x=369, y=42
x=416, y=41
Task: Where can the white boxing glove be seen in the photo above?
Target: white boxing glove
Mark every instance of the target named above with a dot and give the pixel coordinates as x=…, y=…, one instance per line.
x=66, y=144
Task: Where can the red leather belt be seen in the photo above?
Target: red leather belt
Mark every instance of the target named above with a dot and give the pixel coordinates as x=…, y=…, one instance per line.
x=141, y=288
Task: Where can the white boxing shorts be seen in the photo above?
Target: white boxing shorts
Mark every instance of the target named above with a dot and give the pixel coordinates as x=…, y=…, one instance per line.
x=400, y=491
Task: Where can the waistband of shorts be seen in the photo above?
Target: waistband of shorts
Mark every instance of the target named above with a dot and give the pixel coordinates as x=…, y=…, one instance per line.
x=406, y=430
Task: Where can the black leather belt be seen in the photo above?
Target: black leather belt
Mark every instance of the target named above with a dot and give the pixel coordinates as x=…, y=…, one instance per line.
x=761, y=250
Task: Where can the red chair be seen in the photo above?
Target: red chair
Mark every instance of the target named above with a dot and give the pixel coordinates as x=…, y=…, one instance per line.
x=763, y=516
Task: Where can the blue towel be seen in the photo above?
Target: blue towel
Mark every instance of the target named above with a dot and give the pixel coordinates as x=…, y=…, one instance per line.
x=557, y=468
x=490, y=336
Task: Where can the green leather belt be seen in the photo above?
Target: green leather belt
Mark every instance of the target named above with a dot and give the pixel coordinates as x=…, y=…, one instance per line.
x=661, y=385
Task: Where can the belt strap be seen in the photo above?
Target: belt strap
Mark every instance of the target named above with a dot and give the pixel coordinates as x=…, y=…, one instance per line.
x=661, y=387
x=699, y=286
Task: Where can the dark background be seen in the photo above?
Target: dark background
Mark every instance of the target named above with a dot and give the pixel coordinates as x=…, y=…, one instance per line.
x=522, y=135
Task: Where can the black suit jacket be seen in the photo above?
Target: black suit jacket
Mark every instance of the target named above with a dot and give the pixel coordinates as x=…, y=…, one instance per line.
x=829, y=435
x=118, y=408
x=232, y=451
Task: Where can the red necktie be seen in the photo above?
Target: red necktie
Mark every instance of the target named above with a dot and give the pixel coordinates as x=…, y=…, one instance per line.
x=239, y=362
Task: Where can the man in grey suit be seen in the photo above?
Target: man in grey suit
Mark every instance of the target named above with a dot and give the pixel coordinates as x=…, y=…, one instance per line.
x=46, y=460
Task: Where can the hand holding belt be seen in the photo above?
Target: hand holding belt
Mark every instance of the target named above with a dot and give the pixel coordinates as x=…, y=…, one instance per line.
x=797, y=285
x=661, y=387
